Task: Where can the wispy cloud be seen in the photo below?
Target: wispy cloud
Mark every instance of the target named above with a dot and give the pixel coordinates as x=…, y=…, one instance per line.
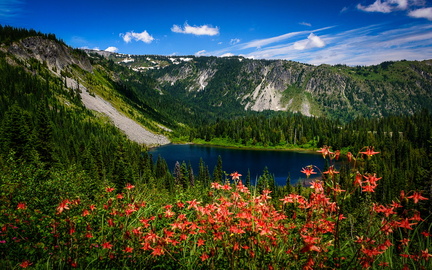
x=234, y=41
x=203, y=30
x=367, y=45
x=305, y=24
x=9, y=9
x=143, y=36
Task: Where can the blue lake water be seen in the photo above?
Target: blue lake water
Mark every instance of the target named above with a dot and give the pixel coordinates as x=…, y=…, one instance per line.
x=281, y=164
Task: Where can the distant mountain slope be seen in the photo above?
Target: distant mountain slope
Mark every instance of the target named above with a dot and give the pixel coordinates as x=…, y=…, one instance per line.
x=237, y=84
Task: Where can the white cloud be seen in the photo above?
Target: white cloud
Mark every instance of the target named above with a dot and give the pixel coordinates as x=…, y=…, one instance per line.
x=421, y=13
x=143, y=36
x=201, y=53
x=234, y=41
x=227, y=55
x=377, y=6
x=305, y=24
x=386, y=6
x=203, y=30
x=312, y=41
x=111, y=49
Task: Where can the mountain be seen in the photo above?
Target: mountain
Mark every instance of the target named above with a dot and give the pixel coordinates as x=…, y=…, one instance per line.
x=339, y=92
x=238, y=84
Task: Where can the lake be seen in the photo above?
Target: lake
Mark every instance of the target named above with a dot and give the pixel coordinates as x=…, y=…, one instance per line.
x=280, y=163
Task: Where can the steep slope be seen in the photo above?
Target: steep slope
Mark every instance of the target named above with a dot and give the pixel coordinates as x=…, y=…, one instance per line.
x=76, y=70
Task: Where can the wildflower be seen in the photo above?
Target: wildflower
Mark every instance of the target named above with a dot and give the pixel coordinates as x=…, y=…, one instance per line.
x=308, y=170
x=200, y=242
x=109, y=189
x=325, y=150
x=358, y=180
x=216, y=185
x=193, y=204
x=21, y=206
x=107, y=245
x=204, y=257
x=85, y=213
x=317, y=185
x=416, y=197
x=235, y=176
x=426, y=234
x=180, y=204
x=369, y=188
x=25, y=264
x=120, y=196
x=331, y=170
x=372, y=179
x=405, y=224
x=350, y=156
x=128, y=250
x=157, y=251
x=62, y=206
x=337, y=154
x=370, y=151
x=129, y=186
x=425, y=254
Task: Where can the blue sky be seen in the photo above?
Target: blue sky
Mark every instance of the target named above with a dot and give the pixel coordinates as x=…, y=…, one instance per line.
x=352, y=32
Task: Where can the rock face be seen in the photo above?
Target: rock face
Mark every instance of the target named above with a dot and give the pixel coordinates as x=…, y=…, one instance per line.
x=339, y=91
x=53, y=53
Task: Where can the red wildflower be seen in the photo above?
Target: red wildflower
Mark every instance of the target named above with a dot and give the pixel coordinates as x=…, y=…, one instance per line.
x=193, y=204
x=200, y=242
x=107, y=245
x=405, y=224
x=204, y=257
x=235, y=175
x=325, y=150
x=109, y=189
x=426, y=234
x=22, y=206
x=128, y=250
x=331, y=170
x=337, y=154
x=369, y=151
x=369, y=188
x=85, y=213
x=129, y=186
x=308, y=170
x=425, y=254
x=358, y=179
x=350, y=156
x=120, y=196
x=416, y=197
x=62, y=206
x=372, y=179
x=25, y=264
x=157, y=251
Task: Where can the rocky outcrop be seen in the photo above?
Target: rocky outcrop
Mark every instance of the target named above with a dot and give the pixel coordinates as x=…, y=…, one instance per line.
x=56, y=55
